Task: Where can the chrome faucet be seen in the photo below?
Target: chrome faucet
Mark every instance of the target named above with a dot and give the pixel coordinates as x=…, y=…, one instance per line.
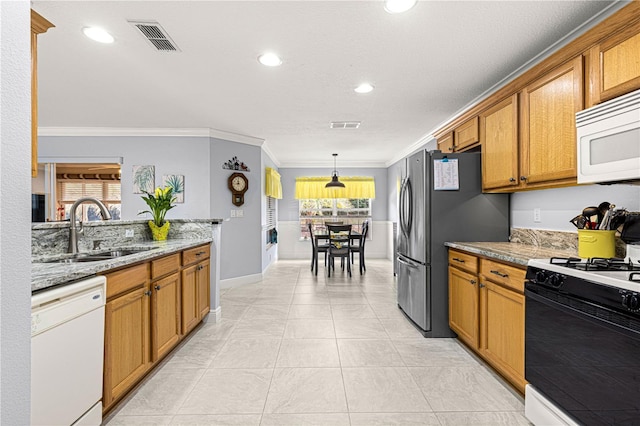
x=73, y=231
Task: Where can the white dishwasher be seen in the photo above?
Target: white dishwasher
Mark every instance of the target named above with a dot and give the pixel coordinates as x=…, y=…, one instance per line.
x=67, y=344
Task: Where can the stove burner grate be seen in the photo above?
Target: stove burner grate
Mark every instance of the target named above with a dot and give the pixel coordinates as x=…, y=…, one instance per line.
x=596, y=264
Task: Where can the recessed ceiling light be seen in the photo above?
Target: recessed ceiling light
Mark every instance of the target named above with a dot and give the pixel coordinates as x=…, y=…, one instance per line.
x=270, y=59
x=98, y=34
x=398, y=6
x=364, y=88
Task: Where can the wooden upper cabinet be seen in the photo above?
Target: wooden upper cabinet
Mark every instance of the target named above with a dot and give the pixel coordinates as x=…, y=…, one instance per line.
x=499, y=139
x=445, y=142
x=39, y=25
x=466, y=134
x=614, y=65
x=548, y=129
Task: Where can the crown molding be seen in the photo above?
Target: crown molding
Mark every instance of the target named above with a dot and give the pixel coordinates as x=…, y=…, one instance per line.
x=329, y=164
x=156, y=132
x=235, y=137
x=411, y=148
x=265, y=148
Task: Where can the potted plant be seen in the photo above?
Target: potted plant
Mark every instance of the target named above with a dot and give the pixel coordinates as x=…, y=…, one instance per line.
x=160, y=202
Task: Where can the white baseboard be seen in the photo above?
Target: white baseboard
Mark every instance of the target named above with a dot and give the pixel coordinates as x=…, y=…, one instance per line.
x=216, y=314
x=246, y=279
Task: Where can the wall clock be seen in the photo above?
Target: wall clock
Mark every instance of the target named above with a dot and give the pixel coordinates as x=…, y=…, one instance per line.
x=238, y=185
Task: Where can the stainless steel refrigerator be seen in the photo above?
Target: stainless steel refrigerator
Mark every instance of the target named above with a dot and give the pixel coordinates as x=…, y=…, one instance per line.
x=441, y=200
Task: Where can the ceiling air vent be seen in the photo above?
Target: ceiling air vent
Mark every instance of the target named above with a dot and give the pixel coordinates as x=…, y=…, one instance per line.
x=344, y=124
x=156, y=35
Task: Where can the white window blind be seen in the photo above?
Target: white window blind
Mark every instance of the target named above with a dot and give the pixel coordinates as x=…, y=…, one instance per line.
x=271, y=212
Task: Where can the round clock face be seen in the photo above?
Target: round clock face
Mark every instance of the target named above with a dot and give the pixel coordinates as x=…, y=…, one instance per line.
x=238, y=184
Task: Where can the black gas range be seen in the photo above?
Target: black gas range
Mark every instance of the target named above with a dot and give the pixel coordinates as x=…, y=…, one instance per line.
x=582, y=341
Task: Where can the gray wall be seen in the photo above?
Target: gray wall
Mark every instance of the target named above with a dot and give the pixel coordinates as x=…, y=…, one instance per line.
x=200, y=160
x=558, y=206
x=15, y=226
x=241, y=246
x=188, y=156
x=288, y=206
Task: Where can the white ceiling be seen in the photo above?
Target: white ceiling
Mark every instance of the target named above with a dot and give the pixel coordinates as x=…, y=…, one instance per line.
x=426, y=65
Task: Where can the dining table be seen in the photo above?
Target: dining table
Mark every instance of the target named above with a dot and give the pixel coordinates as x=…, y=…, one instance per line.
x=355, y=236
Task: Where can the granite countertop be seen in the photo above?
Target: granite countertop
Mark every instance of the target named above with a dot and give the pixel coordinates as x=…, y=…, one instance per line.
x=516, y=253
x=100, y=223
x=45, y=275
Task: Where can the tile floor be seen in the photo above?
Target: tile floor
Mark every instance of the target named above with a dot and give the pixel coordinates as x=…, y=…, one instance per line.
x=296, y=349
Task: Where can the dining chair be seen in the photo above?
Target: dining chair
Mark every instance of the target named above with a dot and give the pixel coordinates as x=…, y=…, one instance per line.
x=359, y=248
x=339, y=243
x=328, y=223
x=316, y=249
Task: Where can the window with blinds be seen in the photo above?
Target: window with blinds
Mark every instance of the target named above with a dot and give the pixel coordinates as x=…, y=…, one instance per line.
x=107, y=191
x=272, y=234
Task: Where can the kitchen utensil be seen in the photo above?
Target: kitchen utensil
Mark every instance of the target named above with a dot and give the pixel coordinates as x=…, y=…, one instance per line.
x=579, y=221
x=591, y=215
x=606, y=219
x=602, y=210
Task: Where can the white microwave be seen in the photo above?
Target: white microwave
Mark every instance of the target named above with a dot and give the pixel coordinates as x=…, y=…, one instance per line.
x=608, y=137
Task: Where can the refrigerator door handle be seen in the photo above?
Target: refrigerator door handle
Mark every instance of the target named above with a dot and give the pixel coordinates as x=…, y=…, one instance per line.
x=406, y=210
x=410, y=264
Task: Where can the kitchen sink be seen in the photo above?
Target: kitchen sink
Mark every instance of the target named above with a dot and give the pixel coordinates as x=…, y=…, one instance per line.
x=96, y=257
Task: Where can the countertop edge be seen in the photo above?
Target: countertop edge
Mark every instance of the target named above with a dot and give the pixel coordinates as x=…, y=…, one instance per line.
x=516, y=253
x=46, y=275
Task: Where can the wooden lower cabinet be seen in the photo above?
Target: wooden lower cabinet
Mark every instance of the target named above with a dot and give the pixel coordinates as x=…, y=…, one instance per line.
x=463, y=305
x=502, y=331
x=189, y=299
x=150, y=308
x=127, y=341
x=165, y=312
x=203, y=288
x=195, y=294
x=487, y=310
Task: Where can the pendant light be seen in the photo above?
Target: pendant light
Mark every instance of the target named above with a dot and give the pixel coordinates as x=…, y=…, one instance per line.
x=335, y=183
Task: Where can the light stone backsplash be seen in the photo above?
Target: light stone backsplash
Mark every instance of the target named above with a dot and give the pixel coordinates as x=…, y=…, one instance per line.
x=53, y=238
x=555, y=239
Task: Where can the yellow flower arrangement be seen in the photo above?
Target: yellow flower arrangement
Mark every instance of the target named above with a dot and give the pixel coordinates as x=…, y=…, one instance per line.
x=160, y=202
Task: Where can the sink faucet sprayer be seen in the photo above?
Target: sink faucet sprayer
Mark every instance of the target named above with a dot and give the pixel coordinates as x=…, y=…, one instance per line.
x=73, y=231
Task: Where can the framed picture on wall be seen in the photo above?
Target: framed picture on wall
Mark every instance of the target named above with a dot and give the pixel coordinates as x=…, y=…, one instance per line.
x=144, y=179
x=176, y=183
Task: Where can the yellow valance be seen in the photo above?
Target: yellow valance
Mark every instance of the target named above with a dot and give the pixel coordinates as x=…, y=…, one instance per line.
x=273, y=187
x=355, y=187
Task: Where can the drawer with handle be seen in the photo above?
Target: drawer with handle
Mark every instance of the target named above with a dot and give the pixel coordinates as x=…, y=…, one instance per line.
x=195, y=254
x=501, y=273
x=463, y=261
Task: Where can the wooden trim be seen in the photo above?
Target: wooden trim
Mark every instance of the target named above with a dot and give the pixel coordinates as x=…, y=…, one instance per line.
x=39, y=25
x=625, y=17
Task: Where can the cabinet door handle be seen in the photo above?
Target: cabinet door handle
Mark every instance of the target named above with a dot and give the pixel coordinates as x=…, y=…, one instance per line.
x=157, y=287
x=498, y=273
x=473, y=282
x=458, y=260
x=147, y=293
x=481, y=285
x=512, y=179
x=523, y=178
